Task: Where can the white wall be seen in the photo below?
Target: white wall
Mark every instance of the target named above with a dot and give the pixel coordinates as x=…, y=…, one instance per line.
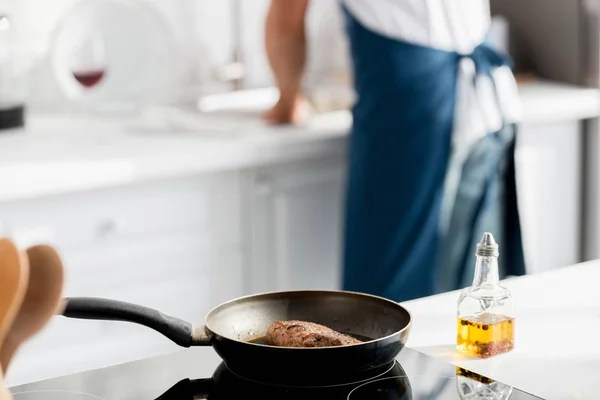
x=204, y=29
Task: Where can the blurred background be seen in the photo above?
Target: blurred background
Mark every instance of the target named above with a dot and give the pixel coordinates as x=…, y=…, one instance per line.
x=178, y=49
x=144, y=160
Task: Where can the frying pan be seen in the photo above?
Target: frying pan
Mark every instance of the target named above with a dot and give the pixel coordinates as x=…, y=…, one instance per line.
x=229, y=327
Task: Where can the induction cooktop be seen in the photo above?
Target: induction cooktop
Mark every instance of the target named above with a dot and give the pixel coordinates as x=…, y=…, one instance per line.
x=200, y=374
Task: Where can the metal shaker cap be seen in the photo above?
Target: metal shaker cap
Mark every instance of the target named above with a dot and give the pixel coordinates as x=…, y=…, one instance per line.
x=487, y=246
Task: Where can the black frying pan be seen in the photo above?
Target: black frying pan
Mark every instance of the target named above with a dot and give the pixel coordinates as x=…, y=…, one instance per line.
x=230, y=326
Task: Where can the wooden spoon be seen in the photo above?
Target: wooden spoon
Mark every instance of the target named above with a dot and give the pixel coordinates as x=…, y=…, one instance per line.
x=4, y=392
x=13, y=283
x=14, y=273
x=41, y=301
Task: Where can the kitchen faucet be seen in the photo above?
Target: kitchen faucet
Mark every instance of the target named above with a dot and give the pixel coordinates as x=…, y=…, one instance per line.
x=234, y=70
x=238, y=80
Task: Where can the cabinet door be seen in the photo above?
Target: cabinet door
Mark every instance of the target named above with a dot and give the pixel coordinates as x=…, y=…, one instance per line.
x=548, y=167
x=170, y=245
x=294, y=226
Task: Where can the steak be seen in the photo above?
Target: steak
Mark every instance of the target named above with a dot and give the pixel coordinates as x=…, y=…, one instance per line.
x=306, y=334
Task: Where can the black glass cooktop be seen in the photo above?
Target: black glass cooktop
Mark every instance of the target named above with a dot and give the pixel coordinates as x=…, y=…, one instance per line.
x=200, y=374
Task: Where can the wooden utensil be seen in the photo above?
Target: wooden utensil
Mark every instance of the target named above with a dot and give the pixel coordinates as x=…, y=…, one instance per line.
x=4, y=392
x=14, y=273
x=13, y=283
x=41, y=300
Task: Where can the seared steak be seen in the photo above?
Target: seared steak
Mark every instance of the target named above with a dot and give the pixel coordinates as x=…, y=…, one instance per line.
x=306, y=334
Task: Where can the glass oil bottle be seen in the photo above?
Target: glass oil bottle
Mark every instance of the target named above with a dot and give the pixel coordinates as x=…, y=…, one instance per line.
x=485, y=314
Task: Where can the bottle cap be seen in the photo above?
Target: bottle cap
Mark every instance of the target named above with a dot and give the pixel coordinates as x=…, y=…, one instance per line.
x=487, y=246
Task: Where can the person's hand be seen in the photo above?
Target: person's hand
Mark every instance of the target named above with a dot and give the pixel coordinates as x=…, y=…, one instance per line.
x=285, y=111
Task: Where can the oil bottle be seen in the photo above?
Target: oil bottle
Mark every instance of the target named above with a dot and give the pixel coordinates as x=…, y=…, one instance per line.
x=485, y=312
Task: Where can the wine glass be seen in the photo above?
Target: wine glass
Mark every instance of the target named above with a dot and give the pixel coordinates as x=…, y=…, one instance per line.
x=88, y=59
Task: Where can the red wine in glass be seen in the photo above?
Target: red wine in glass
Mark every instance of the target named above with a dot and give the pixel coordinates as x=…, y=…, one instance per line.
x=89, y=78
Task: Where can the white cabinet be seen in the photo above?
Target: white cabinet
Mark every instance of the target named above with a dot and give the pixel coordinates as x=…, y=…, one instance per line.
x=294, y=224
x=170, y=245
x=548, y=167
x=181, y=246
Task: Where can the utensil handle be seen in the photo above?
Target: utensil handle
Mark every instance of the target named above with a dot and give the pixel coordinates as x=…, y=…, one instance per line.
x=179, y=331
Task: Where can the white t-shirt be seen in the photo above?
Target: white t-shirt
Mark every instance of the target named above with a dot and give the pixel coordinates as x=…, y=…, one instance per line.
x=452, y=25
x=456, y=25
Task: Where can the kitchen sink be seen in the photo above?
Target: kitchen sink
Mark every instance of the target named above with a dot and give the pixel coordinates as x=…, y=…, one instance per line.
x=226, y=116
x=175, y=122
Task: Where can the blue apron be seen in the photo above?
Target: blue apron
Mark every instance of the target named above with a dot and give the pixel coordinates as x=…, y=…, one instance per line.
x=486, y=201
x=399, y=152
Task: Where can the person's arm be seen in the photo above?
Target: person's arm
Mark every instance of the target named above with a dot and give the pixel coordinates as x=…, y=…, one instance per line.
x=286, y=51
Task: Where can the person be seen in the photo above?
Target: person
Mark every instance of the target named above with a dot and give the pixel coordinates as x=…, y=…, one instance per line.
x=431, y=142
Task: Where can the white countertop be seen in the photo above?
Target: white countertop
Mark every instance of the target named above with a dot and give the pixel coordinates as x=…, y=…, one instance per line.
x=547, y=102
x=57, y=153
x=557, y=338
x=63, y=153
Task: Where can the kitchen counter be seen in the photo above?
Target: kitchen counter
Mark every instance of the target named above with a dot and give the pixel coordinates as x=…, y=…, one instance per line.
x=61, y=153
x=557, y=348
x=65, y=153
x=548, y=102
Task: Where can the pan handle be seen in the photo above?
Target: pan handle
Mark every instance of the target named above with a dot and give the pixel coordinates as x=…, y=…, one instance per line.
x=179, y=331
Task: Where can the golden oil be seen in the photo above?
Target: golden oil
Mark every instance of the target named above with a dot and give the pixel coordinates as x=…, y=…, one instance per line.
x=473, y=376
x=485, y=335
